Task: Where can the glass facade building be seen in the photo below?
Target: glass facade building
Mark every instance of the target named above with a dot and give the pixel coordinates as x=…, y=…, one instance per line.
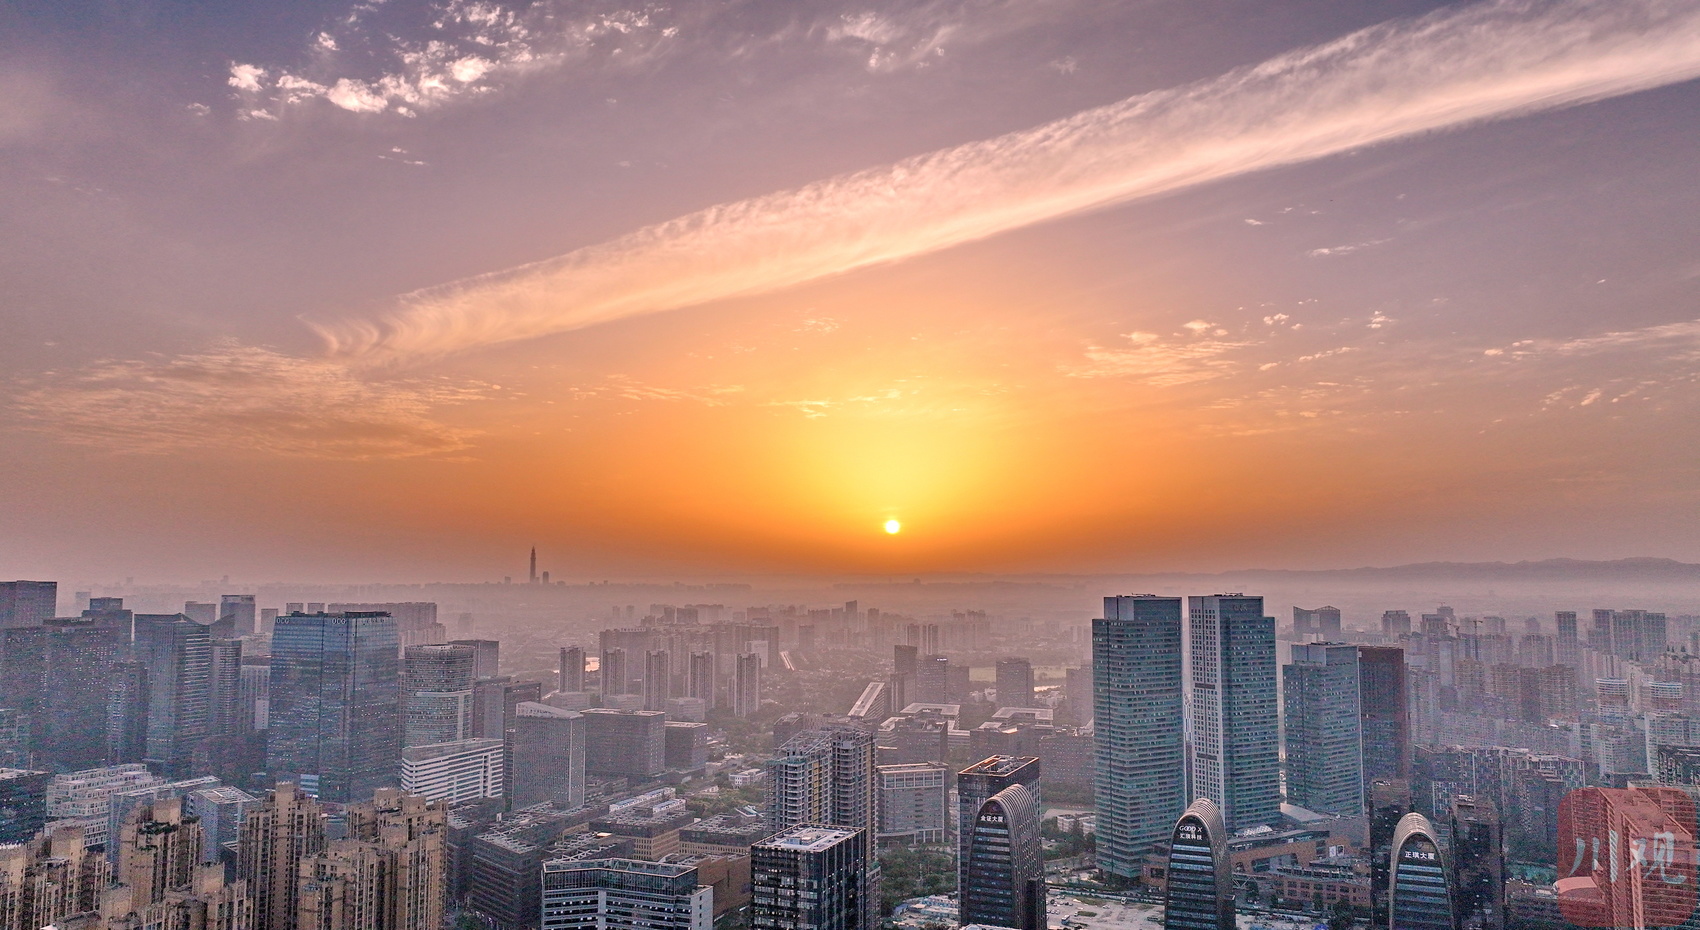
x=1419, y=896
x=1199, y=886
x=335, y=704
x=1136, y=703
x=1236, y=735
x=1003, y=872
x=1324, y=738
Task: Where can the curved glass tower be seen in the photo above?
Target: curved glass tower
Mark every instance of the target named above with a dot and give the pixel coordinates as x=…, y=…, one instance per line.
x=1200, y=887
x=1003, y=874
x=1418, y=897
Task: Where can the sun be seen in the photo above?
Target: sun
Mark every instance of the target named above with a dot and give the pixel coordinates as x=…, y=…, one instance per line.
x=893, y=527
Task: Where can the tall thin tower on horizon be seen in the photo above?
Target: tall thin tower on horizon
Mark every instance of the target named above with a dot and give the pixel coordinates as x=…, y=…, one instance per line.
x=533, y=564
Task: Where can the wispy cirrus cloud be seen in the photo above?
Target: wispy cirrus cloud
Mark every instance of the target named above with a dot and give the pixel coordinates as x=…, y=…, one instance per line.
x=245, y=397
x=1455, y=67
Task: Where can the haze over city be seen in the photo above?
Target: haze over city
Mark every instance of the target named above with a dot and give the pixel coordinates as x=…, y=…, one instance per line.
x=393, y=292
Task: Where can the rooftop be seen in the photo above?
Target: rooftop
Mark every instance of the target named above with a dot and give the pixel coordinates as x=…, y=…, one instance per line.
x=808, y=838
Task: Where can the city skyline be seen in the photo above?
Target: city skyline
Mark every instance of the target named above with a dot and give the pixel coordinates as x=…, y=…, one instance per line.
x=711, y=290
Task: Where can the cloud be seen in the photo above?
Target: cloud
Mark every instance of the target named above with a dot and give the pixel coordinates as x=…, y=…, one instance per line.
x=370, y=65
x=243, y=397
x=1149, y=358
x=1345, y=249
x=1451, y=68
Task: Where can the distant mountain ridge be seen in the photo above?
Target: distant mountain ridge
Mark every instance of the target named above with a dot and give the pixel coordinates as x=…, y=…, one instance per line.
x=1645, y=568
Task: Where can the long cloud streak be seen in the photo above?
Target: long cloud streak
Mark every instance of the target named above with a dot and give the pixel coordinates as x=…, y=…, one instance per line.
x=1483, y=62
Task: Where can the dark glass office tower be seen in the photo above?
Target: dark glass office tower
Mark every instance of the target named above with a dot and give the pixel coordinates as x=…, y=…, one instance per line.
x=1002, y=875
x=335, y=720
x=1236, y=735
x=1419, y=896
x=1200, y=887
x=1324, y=743
x=1385, y=708
x=812, y=876
x=79, y=658
x=1478, y=863
x=1015, y=682
x=1140, y=782
x=436, y=694
x=177, y=652
x=975, y=785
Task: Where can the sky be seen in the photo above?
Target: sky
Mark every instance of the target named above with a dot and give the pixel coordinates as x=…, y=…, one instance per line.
x=395, y=290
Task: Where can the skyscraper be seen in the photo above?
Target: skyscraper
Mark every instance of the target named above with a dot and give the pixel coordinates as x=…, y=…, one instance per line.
x=615, y=677
x=1002, y=876
x=281, y=831
x=27, y=603
x=1419, y=895
x=701, y=679
x=1140, y=783
x=1324, y=739
x=572, y=669
x=334, y=705
x=625, y=742
x=813, y=877
x=975, y=785
x=436, y=694
x=1200, y=886
x=78, y=660
x=746, y=685
x=657, y=679
x=1236, y=752
x=1384, y=702
x=1015, y=682
x=177, y=653
x=824, y=776
x=1322, y=621
x=241, y=612
x=548, y=757
x=1478, y=863
x=159, y=849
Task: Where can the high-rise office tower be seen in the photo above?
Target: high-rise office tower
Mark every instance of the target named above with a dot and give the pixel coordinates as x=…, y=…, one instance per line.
x=335, y=704
x=932, y=680
x=657, y=679
x=700, y=678
x=1567, y=649
x=126, y=717
x=746, y=685
x=1236, y=751
x=624, y=894
x=1384, y=702
x=1478, y=863
x=1015, y=682
x=1140, y=779
x=27, y=603
x=812, y=876
x=241, y=612
x=1324, y=739
x=824, y=776
x=1419, y=894
x=177, y=652
x=281, y=831
x=1322, y=621
x=389, y=873
x=625, y=742
x=66, y=673
x=572, y=669
x=548, y=757
x=225, y=680
x=1002, y=875
x=23, y=804
x=486, y=656
x=1200, y=885
x=436, y=694
x=976, y=784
